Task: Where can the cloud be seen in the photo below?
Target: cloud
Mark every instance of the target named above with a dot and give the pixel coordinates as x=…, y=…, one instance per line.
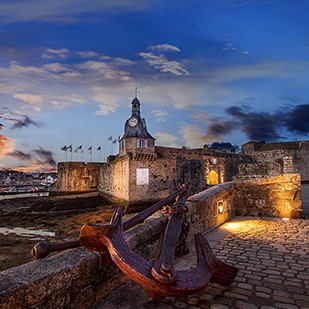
x=161, y=115
x=181, y=98
x=34, y=100
x=55, y=53
x=20, y=155
x=104, y=70
x=118, y=61
x=88, y=54
x=38, y=166
x=108, y=102
x=227, y=146
x=160, y=62
x=257, y=125
x=26, y=121
x=193, y=136
x=43, y=159
x=165, y=139
x=56, y=67
x=216, y=129
x=164, y=48
x=230, y=46
x=6, y=145
x=64, y=12
x=296, y=121
x=46, y=155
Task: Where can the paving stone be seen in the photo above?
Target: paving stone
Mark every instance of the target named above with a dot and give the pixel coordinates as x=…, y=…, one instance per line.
x=284, y=299
x=205, y=296
x=244, y=305
x=180, y=305
x=263, y=295
x=164, y=306
x=193, y=301
x=286, y=306
x=218, y=306
x=263, y=289
x=245, y=286
x=235, y=295
x=223, y=300
x=204, y=303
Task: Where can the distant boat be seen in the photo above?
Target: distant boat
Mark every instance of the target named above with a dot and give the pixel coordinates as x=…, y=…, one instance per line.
x=11, y=190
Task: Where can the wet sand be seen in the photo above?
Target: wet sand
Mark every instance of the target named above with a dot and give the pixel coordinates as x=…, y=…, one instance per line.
x=64, y=216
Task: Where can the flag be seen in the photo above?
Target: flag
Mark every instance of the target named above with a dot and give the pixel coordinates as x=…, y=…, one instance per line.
x=99, y=148
x=70, y=148
x=80, y=147
x=64, y=148
x=114, y=141
x=110, y=138
x=90, y=148
x=75, y=150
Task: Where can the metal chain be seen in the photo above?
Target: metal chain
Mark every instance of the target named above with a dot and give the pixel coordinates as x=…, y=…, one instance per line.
x=181, y=247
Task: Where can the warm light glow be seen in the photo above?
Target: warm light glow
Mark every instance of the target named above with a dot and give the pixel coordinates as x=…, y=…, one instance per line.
x=220, y=209
x=231, y=226
x=286, y=219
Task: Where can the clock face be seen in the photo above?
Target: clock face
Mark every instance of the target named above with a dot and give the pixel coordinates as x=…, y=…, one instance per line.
x=133, y=122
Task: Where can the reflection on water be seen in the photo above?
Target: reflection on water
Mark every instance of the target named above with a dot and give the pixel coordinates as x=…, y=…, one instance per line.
x=25, y=232
x=10, y=196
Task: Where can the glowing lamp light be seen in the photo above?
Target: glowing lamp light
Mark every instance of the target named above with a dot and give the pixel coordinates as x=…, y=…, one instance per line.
x=220, y=207
x=285, y=219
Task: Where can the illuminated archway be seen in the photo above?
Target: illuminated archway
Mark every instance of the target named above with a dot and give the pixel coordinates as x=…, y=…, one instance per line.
x=213, y=178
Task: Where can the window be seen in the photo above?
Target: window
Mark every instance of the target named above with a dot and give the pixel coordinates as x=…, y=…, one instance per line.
x=141, y=143
x=214, y=161
x=123, y=144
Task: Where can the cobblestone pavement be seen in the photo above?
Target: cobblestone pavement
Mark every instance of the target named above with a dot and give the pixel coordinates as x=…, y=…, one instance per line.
x=272, y=256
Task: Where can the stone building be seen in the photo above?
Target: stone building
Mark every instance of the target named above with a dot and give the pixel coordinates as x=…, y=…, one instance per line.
x=144, y=173
x=271, y=159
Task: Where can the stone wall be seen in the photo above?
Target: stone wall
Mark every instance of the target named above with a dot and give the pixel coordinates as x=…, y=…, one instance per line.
x=76, y=177
x=167, y=168
x=114, y=181
x=278, y=158
x=278, y=196
x=77, y=278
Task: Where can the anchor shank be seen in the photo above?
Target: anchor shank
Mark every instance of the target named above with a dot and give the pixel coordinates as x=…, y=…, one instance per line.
x=163, y=269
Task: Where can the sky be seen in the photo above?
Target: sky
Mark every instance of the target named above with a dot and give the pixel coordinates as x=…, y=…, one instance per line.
x=215, y=72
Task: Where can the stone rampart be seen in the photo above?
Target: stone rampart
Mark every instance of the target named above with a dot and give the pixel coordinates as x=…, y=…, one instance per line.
x=277, y=158
x=76, y=177
x=77, y=278
x=278, y=196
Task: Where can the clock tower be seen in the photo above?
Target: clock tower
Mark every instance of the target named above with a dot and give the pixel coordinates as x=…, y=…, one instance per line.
x=136, y=136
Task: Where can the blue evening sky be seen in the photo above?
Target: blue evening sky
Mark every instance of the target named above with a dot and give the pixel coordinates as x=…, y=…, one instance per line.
x=216, y=72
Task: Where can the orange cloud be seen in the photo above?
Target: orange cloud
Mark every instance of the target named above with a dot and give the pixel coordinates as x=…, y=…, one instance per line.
x=36, y=166
x=6, y=145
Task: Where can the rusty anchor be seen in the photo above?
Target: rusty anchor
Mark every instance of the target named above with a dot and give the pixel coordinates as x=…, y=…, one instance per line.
x=159, y=279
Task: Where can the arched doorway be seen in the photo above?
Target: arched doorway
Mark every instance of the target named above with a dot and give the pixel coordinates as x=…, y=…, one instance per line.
x=213, y=178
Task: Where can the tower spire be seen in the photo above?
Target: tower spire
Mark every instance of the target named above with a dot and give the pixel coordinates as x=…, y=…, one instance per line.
x=136, y=88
